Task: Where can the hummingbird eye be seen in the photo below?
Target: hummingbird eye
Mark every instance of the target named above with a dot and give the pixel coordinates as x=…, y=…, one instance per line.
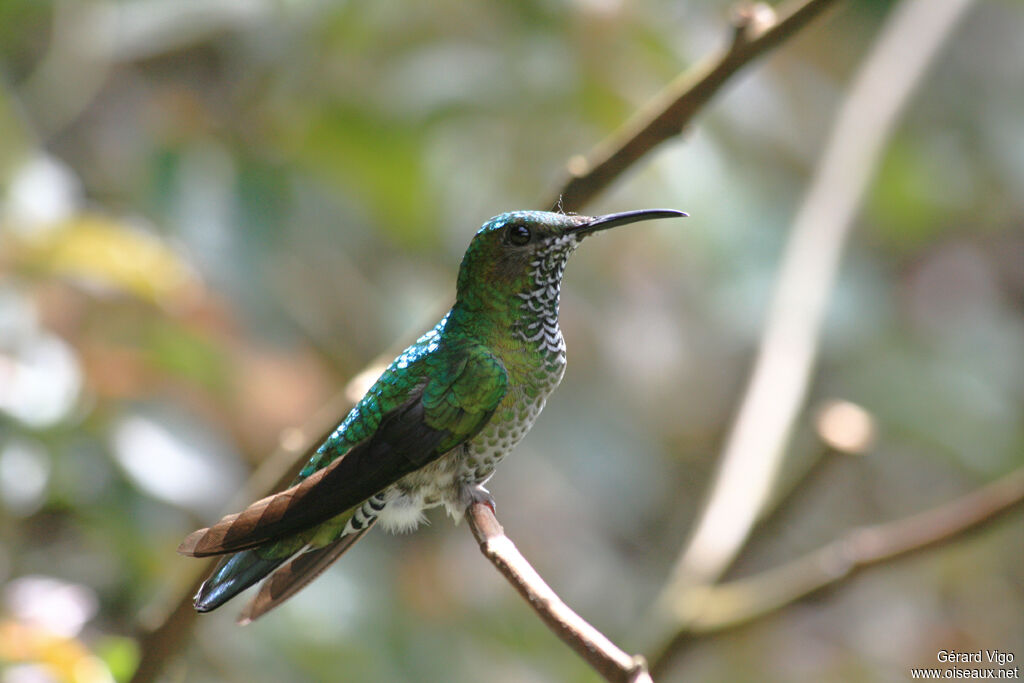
x=519, y=235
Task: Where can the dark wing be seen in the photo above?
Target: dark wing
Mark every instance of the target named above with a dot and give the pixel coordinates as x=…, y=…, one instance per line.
x=449, y=404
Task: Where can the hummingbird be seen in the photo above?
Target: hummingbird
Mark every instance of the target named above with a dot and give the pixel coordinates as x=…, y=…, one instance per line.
x=431, y=429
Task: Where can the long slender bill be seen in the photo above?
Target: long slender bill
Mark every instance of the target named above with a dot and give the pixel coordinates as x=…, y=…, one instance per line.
x=612, y=220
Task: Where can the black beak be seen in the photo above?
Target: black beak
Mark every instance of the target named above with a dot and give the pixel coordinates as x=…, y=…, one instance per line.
x=612, y=220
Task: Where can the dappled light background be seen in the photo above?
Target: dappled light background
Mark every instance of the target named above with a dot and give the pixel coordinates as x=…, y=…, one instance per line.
x=214, y=214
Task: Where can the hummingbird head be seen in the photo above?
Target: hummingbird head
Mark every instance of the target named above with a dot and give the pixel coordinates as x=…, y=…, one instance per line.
x=520, y=256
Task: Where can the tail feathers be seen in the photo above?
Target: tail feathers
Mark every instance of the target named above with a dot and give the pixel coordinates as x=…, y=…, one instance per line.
x=294, y=576
x=232, y=576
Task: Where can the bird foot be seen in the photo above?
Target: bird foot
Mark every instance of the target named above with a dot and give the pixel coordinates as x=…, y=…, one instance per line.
x=476, y=493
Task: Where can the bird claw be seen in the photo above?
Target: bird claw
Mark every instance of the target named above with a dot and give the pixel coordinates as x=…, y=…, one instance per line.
x=476, y=493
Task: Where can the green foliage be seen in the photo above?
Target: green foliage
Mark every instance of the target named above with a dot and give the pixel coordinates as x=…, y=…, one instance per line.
x=377, y=161
x=908, y=209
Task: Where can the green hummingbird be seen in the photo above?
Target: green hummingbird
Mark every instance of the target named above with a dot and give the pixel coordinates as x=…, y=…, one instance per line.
x=431, y=429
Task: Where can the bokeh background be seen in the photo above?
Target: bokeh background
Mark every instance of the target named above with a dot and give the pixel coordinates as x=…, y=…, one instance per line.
x=215, y=213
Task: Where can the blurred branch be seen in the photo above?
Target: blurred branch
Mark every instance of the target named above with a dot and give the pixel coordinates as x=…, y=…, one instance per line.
x=147, y=28
x=741, y=601
x=589, y=643
x=163, y=640
x=778, y=385
x=757, y=29
x=75, y=66
x=738, y=602
x=90, y=37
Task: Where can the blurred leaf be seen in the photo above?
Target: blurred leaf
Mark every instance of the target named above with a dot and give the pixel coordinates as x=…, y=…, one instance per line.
x=15, y=143
x=66, y=659
x=19, y=22
x=121, y=655
x=108, y=254
x=184, y=354
x=379, y=162
x=917, y=193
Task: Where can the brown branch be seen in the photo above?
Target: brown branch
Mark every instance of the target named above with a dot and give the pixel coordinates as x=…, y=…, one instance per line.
x=589, y=643
x=756, y=30
x=738, y=602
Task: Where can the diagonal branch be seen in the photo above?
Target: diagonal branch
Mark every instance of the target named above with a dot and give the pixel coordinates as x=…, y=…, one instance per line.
x=589, y=643
x=756, y=30
x=738, y=602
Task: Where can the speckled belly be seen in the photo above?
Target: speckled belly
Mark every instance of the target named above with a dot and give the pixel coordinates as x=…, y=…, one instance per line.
x=510, y=423
x=400, y=507
x=535, y=370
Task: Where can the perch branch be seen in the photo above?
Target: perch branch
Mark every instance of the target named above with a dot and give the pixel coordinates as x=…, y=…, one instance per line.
x=756, y=30
x=738, y=602
x=589, y=643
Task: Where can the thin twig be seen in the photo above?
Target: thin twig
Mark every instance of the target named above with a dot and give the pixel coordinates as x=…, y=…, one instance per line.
x=756, y=30
x=747, y=599
x=757, y=442
x=738, y=602
x=602, y=654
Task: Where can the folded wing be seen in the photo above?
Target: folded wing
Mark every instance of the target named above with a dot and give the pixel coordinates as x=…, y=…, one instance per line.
x=447, y=404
